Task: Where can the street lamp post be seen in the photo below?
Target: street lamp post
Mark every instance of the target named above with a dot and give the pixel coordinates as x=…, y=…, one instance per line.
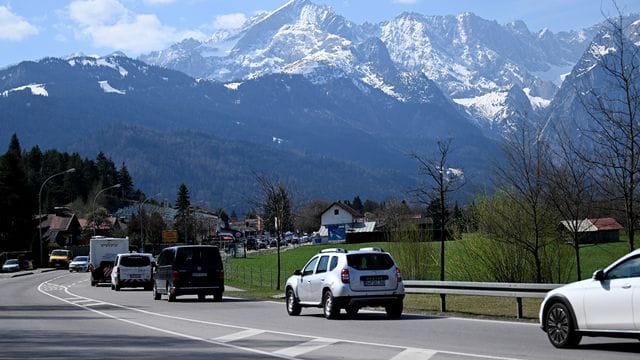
x=40, y=210
x=94, y=204
x=140, y=216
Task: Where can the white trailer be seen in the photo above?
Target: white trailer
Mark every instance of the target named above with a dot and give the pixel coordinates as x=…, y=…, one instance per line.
x=102, y=254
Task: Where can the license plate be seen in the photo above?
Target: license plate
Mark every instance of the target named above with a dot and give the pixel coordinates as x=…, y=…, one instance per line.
x=199, y=274
x=135, y=276
x=374, y=283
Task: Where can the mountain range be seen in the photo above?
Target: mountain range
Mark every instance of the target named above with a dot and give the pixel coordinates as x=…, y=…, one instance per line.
x=304, y=95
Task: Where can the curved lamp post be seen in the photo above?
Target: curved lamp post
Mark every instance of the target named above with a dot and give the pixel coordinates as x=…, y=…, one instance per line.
x=40, y=209
x=140, y=216
x=94, y=204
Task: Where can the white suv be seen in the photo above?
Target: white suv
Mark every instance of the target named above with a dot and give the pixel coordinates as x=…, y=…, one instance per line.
x=132, y=270
x=336, y=278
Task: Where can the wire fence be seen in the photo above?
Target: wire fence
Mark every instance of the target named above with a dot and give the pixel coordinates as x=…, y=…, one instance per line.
x=254, y=277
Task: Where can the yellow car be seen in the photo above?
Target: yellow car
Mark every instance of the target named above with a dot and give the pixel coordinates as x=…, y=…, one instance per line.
x=60, y=258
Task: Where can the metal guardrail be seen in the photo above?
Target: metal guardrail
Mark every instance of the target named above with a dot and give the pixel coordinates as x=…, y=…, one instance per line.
x=515, y=290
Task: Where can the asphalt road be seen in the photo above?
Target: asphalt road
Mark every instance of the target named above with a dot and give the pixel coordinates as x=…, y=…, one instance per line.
x=59, y=315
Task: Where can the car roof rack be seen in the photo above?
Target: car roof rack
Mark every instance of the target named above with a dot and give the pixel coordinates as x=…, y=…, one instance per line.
x=333, y=250
x=378, y=249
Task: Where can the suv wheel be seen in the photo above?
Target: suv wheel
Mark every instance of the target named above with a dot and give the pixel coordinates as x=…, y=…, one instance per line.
x=559, y=326
x=172, y=297
x=329, y=306
x=156, y=294
x=201, y=297
x=293, y=307
x=394, y=310
x=217, y=296
x=117, y=287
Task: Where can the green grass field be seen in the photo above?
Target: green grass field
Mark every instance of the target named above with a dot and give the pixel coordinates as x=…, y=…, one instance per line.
x=257, y=273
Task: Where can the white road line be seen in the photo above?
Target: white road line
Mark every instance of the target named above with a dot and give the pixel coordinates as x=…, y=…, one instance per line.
x=85, y=300
x=415, y=354
x=213, y=341
x=95, y=304
x=239, y=335
x=165, y=331
x=306, y=347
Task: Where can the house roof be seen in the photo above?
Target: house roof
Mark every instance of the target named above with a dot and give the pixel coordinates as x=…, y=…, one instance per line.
x=56, y=222
x=592, y=225
x=346, y=208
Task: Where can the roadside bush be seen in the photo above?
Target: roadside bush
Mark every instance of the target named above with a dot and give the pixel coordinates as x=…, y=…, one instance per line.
x=414, y=255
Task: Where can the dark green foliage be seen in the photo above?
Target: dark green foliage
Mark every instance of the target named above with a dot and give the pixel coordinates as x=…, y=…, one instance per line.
x=183, y=219
x=357, y=205
x=16, y=201
x=126, y=183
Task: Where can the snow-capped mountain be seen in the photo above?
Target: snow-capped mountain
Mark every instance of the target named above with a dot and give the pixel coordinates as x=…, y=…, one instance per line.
x=478, y=63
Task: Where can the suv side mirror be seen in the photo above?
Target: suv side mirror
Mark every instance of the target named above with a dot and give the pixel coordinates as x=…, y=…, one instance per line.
x=598, y=275
x=297, y=272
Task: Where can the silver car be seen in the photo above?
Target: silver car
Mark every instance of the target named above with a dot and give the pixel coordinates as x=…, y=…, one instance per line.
x=11, y=265
x=337, y=279
x=79, y=263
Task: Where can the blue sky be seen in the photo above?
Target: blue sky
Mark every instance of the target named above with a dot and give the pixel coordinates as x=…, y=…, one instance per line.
x=33, y=29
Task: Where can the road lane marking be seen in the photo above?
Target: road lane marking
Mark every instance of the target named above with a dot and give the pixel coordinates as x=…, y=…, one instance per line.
x=165, y=331
x=214, y=341
x=238, y=335
x=95, y=304
x=306, y=347
x=413, y=354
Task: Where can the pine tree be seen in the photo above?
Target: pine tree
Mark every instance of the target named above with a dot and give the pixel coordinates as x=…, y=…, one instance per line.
x=357, y=204
x=126, y=183
x=182, y=219
x=16, y=201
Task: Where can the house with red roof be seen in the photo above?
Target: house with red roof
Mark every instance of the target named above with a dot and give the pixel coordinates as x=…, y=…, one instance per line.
x=594, y=231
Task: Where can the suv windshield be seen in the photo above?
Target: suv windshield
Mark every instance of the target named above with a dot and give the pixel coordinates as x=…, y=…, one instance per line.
x=379, y=261
x=197, y=256
x=59, y=253
x=135, y=261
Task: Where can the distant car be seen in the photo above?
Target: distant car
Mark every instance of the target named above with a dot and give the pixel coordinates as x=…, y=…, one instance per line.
x=11, y=265
x=337, y=279
x=605, y=305
x=252, y=244
x=262, y=244
x=79, y=263
x=132, y=270
x=60, y=258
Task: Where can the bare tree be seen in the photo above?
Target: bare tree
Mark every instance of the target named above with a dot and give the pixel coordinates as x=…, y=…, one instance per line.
x=612, y=101
x=276, y=205
x=440, y=181
x=521, y=179
x=570, y=188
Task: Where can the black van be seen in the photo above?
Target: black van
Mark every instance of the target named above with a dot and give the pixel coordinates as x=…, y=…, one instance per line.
x=189, y=269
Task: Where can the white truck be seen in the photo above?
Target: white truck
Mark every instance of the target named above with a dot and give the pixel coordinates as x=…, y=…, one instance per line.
x=102, y=254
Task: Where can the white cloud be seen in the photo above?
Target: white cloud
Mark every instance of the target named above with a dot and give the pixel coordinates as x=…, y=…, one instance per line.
x=96, y=12
x=229, y=21
x=13, y=27
x=110, y=24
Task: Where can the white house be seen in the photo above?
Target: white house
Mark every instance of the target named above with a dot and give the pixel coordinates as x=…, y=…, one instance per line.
x=339, y=219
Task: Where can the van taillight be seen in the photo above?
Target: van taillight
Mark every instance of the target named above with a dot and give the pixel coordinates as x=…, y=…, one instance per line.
x=221, y=275
x=175, y=275
x=398, y=274
x=345, y=275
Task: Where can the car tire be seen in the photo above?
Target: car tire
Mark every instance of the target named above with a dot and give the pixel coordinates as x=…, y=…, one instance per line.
x=329, y=306
x=117, y=287
x=217, y=296
x=560, y=327
x=293, y=307
x=113, y=287
x=352, y=310
x=201, y=297
x=394, y=310
x=172, y=297
x=156, y=294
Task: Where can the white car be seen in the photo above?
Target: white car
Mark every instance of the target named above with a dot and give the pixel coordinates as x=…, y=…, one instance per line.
x=132, y=270
x=79, y=263
x=11, y=265
x=605, y=305
x=337, y=279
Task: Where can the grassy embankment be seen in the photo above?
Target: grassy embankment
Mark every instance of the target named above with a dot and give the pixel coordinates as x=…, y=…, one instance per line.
x=257, y=275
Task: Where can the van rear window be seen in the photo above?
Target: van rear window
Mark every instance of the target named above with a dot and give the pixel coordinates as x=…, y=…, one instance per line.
x=135, y=261
x=198, y=256
x=370, y=261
